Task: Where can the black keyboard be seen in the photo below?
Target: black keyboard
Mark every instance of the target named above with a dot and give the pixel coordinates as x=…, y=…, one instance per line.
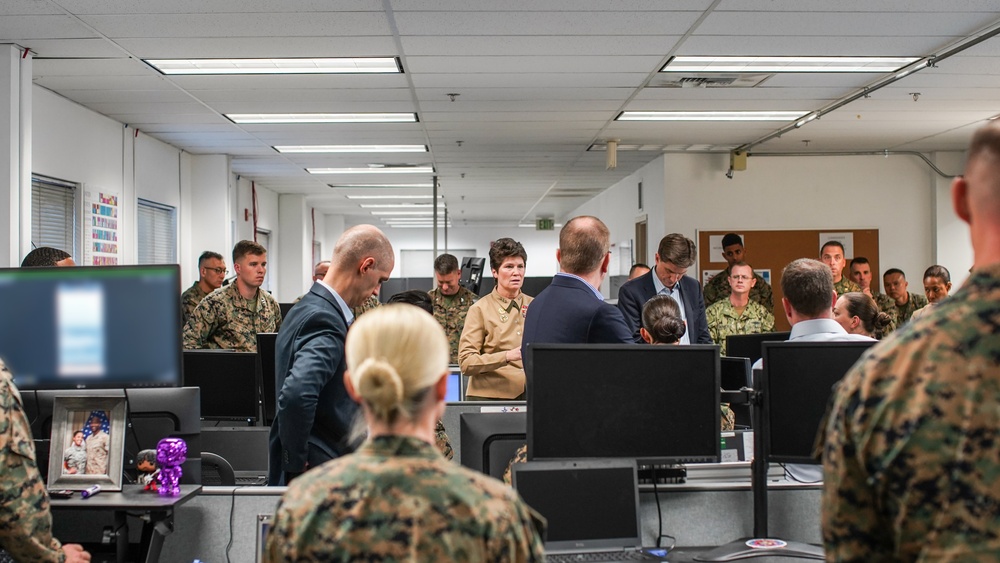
x=600, y=556
x=257, y=481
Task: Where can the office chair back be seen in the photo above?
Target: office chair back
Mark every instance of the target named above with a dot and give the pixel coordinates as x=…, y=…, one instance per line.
x=215, y=470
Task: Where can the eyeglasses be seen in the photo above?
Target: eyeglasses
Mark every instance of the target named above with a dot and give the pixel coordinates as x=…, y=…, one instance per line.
x=744, y=278
x=222, y=271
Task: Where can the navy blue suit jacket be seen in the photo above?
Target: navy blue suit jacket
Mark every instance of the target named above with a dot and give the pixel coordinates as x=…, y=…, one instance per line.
x=567, y=311
x=633, y=294
x=314, y=413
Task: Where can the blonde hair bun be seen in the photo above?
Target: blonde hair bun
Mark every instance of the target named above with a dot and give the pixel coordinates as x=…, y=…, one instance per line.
x=380, y=386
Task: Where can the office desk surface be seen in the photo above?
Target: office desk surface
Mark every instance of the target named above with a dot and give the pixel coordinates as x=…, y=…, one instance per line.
x=131, y=498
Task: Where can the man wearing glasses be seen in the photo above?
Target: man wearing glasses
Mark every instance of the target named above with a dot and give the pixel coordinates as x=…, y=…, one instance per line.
x=211, y=272
x=738, y=314
x=718, y=288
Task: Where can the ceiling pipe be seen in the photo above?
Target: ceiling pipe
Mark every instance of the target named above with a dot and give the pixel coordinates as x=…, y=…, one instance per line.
x=886, y=153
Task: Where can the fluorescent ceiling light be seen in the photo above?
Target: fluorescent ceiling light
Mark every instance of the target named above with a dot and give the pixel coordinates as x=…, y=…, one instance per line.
x=709, y=115
x=374, y=170
x=400, y=213
x=258, y=118
x=786, y=64
x=349, y=148
x=417, y=196
x=440, y=205
x=427, y=226
x=381, y=186
x=341, y=65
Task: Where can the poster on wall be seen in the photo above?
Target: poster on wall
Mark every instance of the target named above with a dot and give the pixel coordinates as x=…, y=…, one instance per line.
x=101, y=227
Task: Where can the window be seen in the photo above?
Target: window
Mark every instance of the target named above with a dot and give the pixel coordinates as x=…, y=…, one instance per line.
x=54, y=220
x=157, y=233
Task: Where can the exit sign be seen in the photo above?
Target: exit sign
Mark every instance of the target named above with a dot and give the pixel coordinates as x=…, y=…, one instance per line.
x=544, y=224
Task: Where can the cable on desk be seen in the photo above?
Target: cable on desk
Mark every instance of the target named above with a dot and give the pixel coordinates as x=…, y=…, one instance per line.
x=232, y=512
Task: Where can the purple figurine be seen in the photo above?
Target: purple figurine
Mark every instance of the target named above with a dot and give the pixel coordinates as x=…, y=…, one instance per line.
x=170, y=454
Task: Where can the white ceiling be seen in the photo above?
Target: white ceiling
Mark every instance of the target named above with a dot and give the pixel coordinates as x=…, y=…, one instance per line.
x=539, y=81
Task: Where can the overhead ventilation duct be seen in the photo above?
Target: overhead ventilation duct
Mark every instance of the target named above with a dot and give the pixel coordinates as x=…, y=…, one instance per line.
x=708, y=80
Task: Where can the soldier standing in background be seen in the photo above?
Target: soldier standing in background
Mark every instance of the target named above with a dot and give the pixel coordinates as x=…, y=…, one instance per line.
x=832, y=254
x=718, y=288
x=738, y=313
x=211, y=271
x=901, y=304
x=451, y=301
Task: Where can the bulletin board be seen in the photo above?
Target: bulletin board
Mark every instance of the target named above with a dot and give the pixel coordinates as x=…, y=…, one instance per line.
x=773, y=250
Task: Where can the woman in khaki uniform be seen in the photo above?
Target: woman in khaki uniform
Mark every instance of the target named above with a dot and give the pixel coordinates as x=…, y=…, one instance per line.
x=490, y=348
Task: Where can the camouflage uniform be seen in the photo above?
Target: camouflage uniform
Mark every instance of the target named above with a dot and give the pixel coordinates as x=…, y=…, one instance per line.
x=223, y=320
x=901, y=314
x=369, y=304
x=452, y=316
x=886, y=305
x=911, y=463
x=25, y=520
x=397, y=499
x=724, y=321
x=718, y=288
x=442, y=441
x=846, y=285
x=189, y=301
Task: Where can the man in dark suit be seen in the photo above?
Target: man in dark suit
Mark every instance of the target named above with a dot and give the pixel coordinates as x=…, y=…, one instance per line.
x=674, y=256
x=314, y=412
x=571, y=309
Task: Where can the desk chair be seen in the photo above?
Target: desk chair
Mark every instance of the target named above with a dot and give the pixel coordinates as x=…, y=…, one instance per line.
x=215, y=470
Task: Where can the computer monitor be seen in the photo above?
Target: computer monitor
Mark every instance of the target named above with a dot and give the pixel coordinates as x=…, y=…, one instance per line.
x=657, y=404
x=489, y=440
x=228, y=383
x=796, y=384
x=285, y=308
x=456, y=385
x=735, y=376
x=748, y=345
x=472, y=273
x=91, y=327
x=265, y=360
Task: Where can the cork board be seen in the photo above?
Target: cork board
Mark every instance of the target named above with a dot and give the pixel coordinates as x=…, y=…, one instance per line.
x=772, y=250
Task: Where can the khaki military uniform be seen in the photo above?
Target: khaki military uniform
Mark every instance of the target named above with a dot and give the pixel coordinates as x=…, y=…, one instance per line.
x=397, y=499
x=846, y=285
x=493, y=326
x=450, y=312
x=718, y=288
x=911, y=462
x=189, y=301
x=723, y=320
x=371, y=303
x=224, y=319
x=902, y=313
x=25, y=520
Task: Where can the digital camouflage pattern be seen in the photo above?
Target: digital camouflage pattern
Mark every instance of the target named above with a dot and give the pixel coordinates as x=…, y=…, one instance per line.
x=224, y=319
x=189, y=301
x=370, y=304
x=912, y=453
x=887, y=306
x=724, y=321
x=442, y=441
x=846, y=285
x=901, y=314
x=718, y=288
x=397, y=499
x=450, y=313
x=25, y=520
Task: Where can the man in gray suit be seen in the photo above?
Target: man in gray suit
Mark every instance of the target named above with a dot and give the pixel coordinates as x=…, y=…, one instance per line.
x=314, y=412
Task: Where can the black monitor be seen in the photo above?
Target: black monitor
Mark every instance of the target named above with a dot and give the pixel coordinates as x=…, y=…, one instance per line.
x=228, y=383
x=489, y=440
x=796, y=384
x=472, y=273
x=736, y=376
x=265, y=358
x=285, y=308
x=91, y=327
x=657, y=404
x=748, y=345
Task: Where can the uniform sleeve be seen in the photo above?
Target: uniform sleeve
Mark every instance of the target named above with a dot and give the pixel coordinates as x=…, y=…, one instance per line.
x=199, y=325
x=628, y=304
x=521, y=541
x=767, y=323
x=712, y=318
x=471, y=356
x=712, y=290
x=766, y=295
x=442, y=441
x=25, y=519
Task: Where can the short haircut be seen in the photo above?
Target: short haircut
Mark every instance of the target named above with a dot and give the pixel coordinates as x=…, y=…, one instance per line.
x=985, y=142
x=245, y=247
x=358, y=243
x=77, y=432
x=445, y=264
x=44, y=256
x=636, y=266
x=858, y=260
x=743, y=264
x=677, y=249
x=661, y=317
x=416, y=297
x=836, y=243
x=208, y=255
x=859, y=305
x=938, y=271
x=584, y=241
x=731, y=239
x=504, y=248
x=808, y=286
x=891, y=271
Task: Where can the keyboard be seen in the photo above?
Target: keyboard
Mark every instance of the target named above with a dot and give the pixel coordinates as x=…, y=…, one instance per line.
x=630, y=555
x=254, y=481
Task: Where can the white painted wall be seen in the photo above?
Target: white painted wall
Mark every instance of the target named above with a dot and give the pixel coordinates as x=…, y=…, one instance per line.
x=951, y=246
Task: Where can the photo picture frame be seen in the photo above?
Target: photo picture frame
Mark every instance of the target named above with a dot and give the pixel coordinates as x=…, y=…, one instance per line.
x=87, y=442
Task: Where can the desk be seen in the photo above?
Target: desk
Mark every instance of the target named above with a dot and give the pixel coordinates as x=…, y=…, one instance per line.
x=157, y=515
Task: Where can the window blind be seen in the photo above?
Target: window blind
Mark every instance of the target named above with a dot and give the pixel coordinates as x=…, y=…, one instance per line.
x=157, y=233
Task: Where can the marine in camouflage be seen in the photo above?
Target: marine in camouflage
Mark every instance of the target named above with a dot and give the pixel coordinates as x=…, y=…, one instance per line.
x=442, y=441
x=912, y=452
x=845, y=285
x=224, y=319
x=25, y=520
x=371, y=303
x=397, y=499
x=189, y=301
x=902, y=313
x=450, y=311
x=718, y=288
x=723, y=320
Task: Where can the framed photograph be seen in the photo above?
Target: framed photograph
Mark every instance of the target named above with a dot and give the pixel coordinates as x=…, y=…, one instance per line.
x=88, y=442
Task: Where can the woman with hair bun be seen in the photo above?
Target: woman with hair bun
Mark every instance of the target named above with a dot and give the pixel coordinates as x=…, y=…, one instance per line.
x=859, y=314
x=396, y=497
